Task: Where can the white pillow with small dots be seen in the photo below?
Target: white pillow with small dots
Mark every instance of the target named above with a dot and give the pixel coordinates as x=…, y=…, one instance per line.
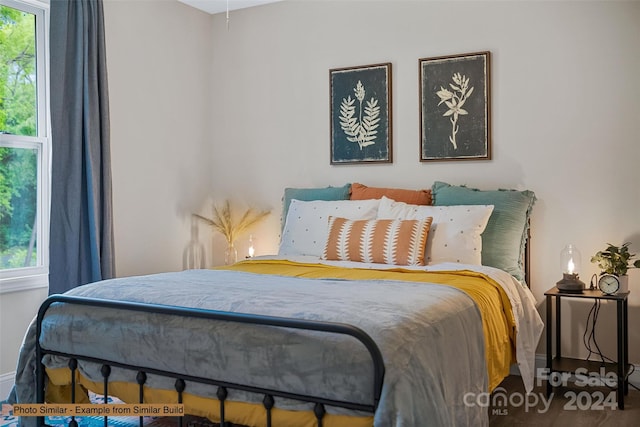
x=456, y=231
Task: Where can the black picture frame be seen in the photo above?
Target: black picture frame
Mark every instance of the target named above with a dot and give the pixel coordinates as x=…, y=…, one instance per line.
x=455, y=101
x=361, y=126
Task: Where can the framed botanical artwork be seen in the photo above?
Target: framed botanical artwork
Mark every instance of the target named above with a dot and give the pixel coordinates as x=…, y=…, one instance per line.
x=455, y=107
x=360, y=99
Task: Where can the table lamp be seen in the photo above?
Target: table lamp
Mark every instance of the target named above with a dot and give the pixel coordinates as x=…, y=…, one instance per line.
x=570, y=261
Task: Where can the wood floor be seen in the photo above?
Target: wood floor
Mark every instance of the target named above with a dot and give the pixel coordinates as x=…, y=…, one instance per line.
x=569, y=406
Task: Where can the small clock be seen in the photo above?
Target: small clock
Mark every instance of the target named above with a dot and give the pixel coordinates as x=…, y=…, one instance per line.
x=609, y=284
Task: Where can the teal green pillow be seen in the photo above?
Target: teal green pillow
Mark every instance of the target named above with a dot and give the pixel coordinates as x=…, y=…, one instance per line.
x=309, y=194
x=504, y=238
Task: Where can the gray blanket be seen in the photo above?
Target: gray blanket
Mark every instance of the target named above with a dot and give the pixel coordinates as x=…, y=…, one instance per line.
x=430, y=337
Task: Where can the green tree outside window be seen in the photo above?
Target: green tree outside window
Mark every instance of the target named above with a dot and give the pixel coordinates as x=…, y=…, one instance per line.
x=18, y=116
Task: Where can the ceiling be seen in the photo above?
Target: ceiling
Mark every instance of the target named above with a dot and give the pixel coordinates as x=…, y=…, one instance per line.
x=219, y=6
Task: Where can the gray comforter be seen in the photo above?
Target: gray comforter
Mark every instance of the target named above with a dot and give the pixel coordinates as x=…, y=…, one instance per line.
x=430, y=337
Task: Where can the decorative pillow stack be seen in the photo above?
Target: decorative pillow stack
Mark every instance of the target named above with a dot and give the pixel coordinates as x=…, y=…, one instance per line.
x=455, y=234
x=383, y=241
x=388, y=225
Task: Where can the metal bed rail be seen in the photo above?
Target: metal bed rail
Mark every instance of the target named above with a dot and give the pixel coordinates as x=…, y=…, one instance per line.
x=223, y=386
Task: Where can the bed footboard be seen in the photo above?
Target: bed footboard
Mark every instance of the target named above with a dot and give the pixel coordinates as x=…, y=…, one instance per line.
x=222, y=386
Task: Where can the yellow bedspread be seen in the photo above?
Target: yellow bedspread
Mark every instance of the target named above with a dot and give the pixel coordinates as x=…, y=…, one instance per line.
x=490, y=298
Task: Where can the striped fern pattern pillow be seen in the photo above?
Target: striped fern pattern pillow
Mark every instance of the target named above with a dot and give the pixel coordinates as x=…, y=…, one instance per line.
x=382, y=241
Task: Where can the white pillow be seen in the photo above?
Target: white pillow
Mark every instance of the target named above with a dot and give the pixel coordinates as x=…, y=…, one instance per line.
x=455, y=234
x=307, y=225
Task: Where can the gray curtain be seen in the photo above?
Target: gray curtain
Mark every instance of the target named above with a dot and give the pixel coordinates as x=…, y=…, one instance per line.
x=81, y=246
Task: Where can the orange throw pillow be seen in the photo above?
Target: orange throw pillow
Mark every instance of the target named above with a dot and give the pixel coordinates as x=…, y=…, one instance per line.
x=382, y=241
x=412, y=197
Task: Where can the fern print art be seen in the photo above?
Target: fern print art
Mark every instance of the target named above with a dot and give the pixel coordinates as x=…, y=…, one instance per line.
x=360, y=104
x=455, y=100
x=361, y=129
x=455, y=107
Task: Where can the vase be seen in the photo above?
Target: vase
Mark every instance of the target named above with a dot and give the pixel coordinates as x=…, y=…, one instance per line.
x=230, y=254
x=624, y=283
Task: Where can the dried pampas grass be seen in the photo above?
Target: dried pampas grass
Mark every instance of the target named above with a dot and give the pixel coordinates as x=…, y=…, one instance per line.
x=225, y=222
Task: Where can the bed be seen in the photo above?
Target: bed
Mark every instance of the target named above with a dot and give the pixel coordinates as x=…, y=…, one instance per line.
x=338, y=329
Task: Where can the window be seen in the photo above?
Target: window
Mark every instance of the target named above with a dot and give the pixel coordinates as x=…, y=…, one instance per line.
x=24, y=145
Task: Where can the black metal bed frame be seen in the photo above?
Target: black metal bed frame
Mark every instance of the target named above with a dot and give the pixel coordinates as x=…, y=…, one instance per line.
x=222, y=386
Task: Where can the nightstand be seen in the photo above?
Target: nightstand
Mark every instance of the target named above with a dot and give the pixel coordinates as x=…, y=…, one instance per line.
x=621, y=367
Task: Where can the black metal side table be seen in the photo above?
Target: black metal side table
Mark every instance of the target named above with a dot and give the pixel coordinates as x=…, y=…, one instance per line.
x=558, y=363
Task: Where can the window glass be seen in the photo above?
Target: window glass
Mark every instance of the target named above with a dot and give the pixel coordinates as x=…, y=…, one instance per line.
x=18, y=207
x=24, y=144
x=18, y=83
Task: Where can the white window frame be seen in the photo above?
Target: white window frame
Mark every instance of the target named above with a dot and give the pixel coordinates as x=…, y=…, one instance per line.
x=20, y=279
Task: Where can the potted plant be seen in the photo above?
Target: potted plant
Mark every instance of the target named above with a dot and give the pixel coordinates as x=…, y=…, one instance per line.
x=616, y=260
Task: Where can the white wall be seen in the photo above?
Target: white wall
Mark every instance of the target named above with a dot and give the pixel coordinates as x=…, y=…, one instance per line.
x=565, y=104
x=17, y=309
x=159, y=65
